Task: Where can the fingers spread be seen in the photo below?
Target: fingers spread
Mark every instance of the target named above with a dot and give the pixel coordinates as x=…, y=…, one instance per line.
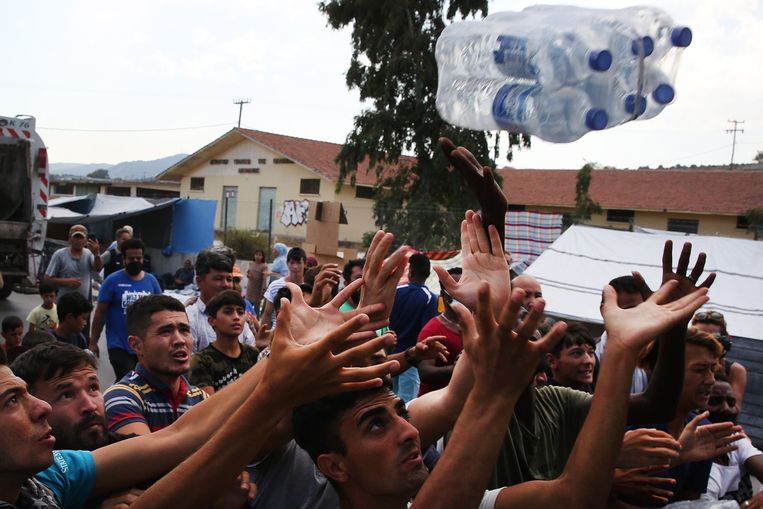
x=683, y=260
x=667, y=257
x=699, y=267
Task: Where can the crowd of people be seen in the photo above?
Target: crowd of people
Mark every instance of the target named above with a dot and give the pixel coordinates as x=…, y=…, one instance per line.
x=352, y=390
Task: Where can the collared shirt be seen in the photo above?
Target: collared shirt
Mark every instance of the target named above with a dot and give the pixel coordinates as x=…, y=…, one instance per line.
x=203, y=333
x=142, y=397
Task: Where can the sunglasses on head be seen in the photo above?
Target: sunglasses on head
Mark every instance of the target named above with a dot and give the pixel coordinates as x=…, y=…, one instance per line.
x=731, y=401
x=709, y=315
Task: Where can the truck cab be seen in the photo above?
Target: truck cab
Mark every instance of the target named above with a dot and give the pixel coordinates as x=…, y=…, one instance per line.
x=24, y=191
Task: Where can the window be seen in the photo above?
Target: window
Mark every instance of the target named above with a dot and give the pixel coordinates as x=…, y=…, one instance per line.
x=63, y=188
x=516, y=208
x=364, y=192
x=248, y=170
x=197, y=183
x=281, y=160
x=619, y=216
x=118, y=191
x=242, y=161
x=262, y=161
x=218, y=161
x=683, y=225
x=310, y=186
x=145, y=192
x=742, y=222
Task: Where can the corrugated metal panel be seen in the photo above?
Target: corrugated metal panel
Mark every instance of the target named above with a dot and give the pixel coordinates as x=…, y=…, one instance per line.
x=749, y=353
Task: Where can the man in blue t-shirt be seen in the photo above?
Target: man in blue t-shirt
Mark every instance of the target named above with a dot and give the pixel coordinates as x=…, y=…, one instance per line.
x=414, y=306
x=119, y=290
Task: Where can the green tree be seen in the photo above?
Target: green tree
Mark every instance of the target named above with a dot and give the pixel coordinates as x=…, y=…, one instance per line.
x=394, y=69
x=755, y=221
x=99, y=174
x=584, y=205
x=759, y=157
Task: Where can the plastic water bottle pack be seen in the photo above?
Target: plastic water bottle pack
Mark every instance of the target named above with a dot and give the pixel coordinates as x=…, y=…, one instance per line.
x=558, y=72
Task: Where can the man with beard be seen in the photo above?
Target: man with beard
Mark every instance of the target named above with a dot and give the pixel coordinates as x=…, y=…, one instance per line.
x=113, y=257
x=729, y=469
x=156, y=393
x=66, y=377
x=119, y=290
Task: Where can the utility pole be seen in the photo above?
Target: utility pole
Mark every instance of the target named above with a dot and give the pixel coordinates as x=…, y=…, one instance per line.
x=241, y=103
x=734, y=131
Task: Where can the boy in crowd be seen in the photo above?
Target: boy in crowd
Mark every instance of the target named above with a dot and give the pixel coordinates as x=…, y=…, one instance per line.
x=225, y=360
x=73, y=312
x=44, y=316
x=572, y=360
x=295, y=261
x=156, y=393
x=13, y=330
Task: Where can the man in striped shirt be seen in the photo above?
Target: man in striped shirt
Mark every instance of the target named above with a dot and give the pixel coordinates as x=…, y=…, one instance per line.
x=156, y=393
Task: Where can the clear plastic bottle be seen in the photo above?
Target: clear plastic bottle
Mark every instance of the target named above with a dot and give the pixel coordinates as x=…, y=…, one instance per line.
x=561, y=116
x=511, y=48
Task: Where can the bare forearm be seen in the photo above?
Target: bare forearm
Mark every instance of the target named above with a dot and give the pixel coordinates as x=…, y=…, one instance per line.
x=130, y=462
x=658, y=403
x=216, y=462
x=430, y=373
x=475, y=442
x=97, y=328
x=435, y=413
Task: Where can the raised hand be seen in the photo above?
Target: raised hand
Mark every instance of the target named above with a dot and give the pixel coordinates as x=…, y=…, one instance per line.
x=699, y=443
x=299, y=372
x=483, y=261
x=381, y=275
x=632, y=328
x=482, y=183
x=686, y=284
x=326, y=279
x=504, y=358
x=429, y=349
x=644, y=447
x=309, y=324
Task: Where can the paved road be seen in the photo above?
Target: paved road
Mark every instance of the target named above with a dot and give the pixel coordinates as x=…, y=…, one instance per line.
x=20, y=305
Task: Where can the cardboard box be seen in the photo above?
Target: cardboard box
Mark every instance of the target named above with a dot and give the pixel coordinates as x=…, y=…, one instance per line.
x=323, y=223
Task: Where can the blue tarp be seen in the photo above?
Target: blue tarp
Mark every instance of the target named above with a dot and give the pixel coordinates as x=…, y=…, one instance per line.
x=193, y=225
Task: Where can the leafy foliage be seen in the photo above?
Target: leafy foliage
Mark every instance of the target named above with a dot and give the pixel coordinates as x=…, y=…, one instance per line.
x=584, y=205
x=394, y=69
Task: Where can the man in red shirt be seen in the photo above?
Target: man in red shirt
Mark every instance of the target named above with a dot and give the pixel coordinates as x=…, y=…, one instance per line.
x=435, y=374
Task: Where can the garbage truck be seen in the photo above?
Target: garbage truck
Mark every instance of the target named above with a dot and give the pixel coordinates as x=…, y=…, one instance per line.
x=24, y=192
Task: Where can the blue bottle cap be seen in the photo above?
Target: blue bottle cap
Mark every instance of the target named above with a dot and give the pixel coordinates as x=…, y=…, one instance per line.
x=648, y=43
x=664, y=93
x=681, y=36
x=596, y=119
x=600, y=60
x=630, y=104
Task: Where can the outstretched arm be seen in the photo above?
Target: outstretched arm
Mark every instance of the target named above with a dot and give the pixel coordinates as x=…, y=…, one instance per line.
x=296, y=374
x=658, y=403
x=503, y=363
x=587, y=476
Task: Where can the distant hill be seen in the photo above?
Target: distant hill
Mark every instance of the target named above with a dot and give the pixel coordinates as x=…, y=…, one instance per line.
x=127, y=170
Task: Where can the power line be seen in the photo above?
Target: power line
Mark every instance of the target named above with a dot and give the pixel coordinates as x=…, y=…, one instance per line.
x=734, y=142
x=133, y=130
x=241, y=103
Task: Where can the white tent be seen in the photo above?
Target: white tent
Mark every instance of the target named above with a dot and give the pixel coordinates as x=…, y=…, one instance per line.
x=99, y=206
x=574, y=269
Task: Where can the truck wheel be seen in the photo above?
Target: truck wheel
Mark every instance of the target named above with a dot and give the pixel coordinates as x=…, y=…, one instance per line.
x=5, y=291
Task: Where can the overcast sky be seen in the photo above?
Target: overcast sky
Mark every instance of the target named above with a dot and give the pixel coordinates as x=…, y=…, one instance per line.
x=99, y=75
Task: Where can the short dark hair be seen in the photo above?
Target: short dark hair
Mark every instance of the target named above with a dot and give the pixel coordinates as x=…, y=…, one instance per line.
x=575, y=335
x=419, y=266
x=133, y=243
x=74, y=304
x=226, y=298
x=316, y=424
x=704, y=339
x=455, y=270
x=46, y=288
x=296, y=254
x=50, y=360
x=625, y=284
x=12, y=323
x=282, y=292
x=139, y=312
x=37, y=337
x=347, y=269
x=215, y=258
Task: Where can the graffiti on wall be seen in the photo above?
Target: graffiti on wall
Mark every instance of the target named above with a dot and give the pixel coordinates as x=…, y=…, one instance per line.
x=293, y=212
